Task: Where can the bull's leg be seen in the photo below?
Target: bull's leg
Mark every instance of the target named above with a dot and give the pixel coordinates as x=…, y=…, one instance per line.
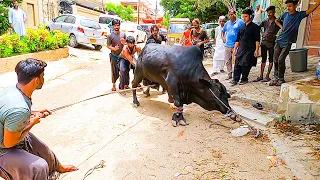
x=147, y=92
x=135, y=83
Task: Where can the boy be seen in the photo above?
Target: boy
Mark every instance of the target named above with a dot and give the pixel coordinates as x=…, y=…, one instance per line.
x=289, y=23
x=246, y=49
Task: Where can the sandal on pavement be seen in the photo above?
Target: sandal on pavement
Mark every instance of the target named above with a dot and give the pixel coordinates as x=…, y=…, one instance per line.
x=243, y=82
x=273, y=82
x=280, y=82
x=258, y=79
x=266, y=80
x=258, y=106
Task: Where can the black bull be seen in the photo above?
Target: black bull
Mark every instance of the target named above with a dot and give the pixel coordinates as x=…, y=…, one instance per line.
x=180, y=70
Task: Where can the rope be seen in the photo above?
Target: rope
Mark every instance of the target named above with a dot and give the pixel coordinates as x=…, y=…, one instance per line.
x=101, y=95
x=90, y=171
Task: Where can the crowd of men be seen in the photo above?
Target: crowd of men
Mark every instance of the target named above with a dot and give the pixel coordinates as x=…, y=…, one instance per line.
x=243, y=38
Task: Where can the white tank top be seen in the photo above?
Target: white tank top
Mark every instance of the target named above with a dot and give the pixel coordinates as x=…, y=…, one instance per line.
x=257, y=16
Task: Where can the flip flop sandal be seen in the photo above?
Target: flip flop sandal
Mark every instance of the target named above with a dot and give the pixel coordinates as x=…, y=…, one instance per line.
x=279, y=83
x=273, y=83
x=258, y=106
x=258, y=79
x=266, y=80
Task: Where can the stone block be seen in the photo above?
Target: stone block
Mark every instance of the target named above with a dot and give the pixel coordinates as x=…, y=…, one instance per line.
x=8, y=64
x=300, y=101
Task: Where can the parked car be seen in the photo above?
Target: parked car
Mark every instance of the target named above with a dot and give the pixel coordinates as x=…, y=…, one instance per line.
x=209, y=27
x=105, y=22
x=147, y=28
x=163, y=32
x=135, y=30
x=82, y=30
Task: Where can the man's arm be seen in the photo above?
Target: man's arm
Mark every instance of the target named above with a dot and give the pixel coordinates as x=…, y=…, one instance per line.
x=257, y=39
x=206, y=40
x=314, y=7
x=278, y=24
x=17, y=125
x=109, y=45
x=127, y=56
x=10, y=18
x=138, y=49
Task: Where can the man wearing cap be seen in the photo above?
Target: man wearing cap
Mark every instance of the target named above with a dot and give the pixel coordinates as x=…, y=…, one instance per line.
x=127, y=61
x=246, y=49
x=289, y=22
x=269, y=35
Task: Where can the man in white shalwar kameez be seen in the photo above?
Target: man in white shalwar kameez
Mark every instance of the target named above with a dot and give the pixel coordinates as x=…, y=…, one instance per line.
x=219, y=54
x=17, y=18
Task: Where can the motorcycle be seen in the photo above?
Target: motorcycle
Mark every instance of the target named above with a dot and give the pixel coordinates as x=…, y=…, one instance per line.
x=208, y=49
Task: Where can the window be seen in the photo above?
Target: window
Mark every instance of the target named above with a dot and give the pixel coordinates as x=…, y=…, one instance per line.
x=61, y=19
x=177, y=28
x=70, y=19
x=105, y=20
x=30, y=15
x=90, y=23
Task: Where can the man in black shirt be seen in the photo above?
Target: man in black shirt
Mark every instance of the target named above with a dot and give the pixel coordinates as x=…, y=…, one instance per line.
x=269, y=35
x=199, y=36
x=246, y=49
x=155, y=36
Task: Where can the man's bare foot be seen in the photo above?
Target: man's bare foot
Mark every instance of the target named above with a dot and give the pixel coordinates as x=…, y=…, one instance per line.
x=66, y=168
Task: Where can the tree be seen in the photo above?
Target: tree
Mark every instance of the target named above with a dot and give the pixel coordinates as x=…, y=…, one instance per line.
x=205, y=10
x=4, y=21
x=166, y=19
x=126, y=13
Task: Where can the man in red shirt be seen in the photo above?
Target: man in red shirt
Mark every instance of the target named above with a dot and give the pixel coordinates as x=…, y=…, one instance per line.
x=186, y=36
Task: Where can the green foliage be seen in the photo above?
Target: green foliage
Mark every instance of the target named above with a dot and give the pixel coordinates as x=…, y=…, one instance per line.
x=126, y=13
x=35, y=40
x=166, y=19
x=4, y=9
x=280, y=7
x=205, y=10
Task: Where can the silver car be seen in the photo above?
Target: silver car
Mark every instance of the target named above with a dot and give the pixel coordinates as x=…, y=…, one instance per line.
x=82, y=30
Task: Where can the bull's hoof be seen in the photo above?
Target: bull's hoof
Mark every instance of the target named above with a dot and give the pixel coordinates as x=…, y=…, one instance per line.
x=136, y=103
x=174, y=123
x=146, y=93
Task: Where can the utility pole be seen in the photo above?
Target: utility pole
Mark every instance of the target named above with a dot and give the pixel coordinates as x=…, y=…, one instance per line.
x=156, y=13
x=138, y=8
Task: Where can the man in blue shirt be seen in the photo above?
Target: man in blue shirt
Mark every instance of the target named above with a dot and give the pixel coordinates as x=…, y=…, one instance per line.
x=229, y=36
x=289, y=23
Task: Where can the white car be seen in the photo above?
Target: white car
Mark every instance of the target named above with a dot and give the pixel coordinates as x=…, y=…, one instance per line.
x=135, y=30
x=82, y=30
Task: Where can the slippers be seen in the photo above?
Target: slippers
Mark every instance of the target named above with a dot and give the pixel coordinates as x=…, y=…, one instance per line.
x=258, y=79
x=258, y=106
x=266, y=80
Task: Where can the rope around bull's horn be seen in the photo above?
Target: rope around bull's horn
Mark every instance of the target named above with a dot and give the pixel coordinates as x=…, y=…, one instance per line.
x=101, y=95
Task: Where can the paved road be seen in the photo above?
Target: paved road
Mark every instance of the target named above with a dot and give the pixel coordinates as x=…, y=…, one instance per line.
x=138, y=143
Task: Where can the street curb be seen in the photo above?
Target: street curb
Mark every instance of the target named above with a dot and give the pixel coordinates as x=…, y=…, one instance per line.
x=269, y=105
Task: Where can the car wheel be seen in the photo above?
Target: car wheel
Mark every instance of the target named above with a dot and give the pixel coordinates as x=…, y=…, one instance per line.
x=97, y=47
x=73, y=41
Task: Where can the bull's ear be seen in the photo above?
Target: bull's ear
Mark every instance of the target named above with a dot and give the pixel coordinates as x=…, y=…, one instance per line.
x=205, y=82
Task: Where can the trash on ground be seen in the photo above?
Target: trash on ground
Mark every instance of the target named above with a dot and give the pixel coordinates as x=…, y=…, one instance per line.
x=177, y=174
x=273, y=160
x=241, y=131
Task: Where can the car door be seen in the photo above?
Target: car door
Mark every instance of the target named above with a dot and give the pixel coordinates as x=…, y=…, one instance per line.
x=68, y=24
x=59, y=21
x=140, y=35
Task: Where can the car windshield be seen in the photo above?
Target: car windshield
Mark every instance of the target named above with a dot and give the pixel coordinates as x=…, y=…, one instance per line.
x=128, y=26
x=211, y=26
x=177, y=28
x=90, y=23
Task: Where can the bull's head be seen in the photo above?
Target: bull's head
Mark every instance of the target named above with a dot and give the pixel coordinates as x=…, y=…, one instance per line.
x=216, y=95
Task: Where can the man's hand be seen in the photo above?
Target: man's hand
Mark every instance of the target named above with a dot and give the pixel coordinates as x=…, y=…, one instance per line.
x=256, y=53
x=123, y=41
x=234, y=52
x=116, y=48
x=34, y=120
